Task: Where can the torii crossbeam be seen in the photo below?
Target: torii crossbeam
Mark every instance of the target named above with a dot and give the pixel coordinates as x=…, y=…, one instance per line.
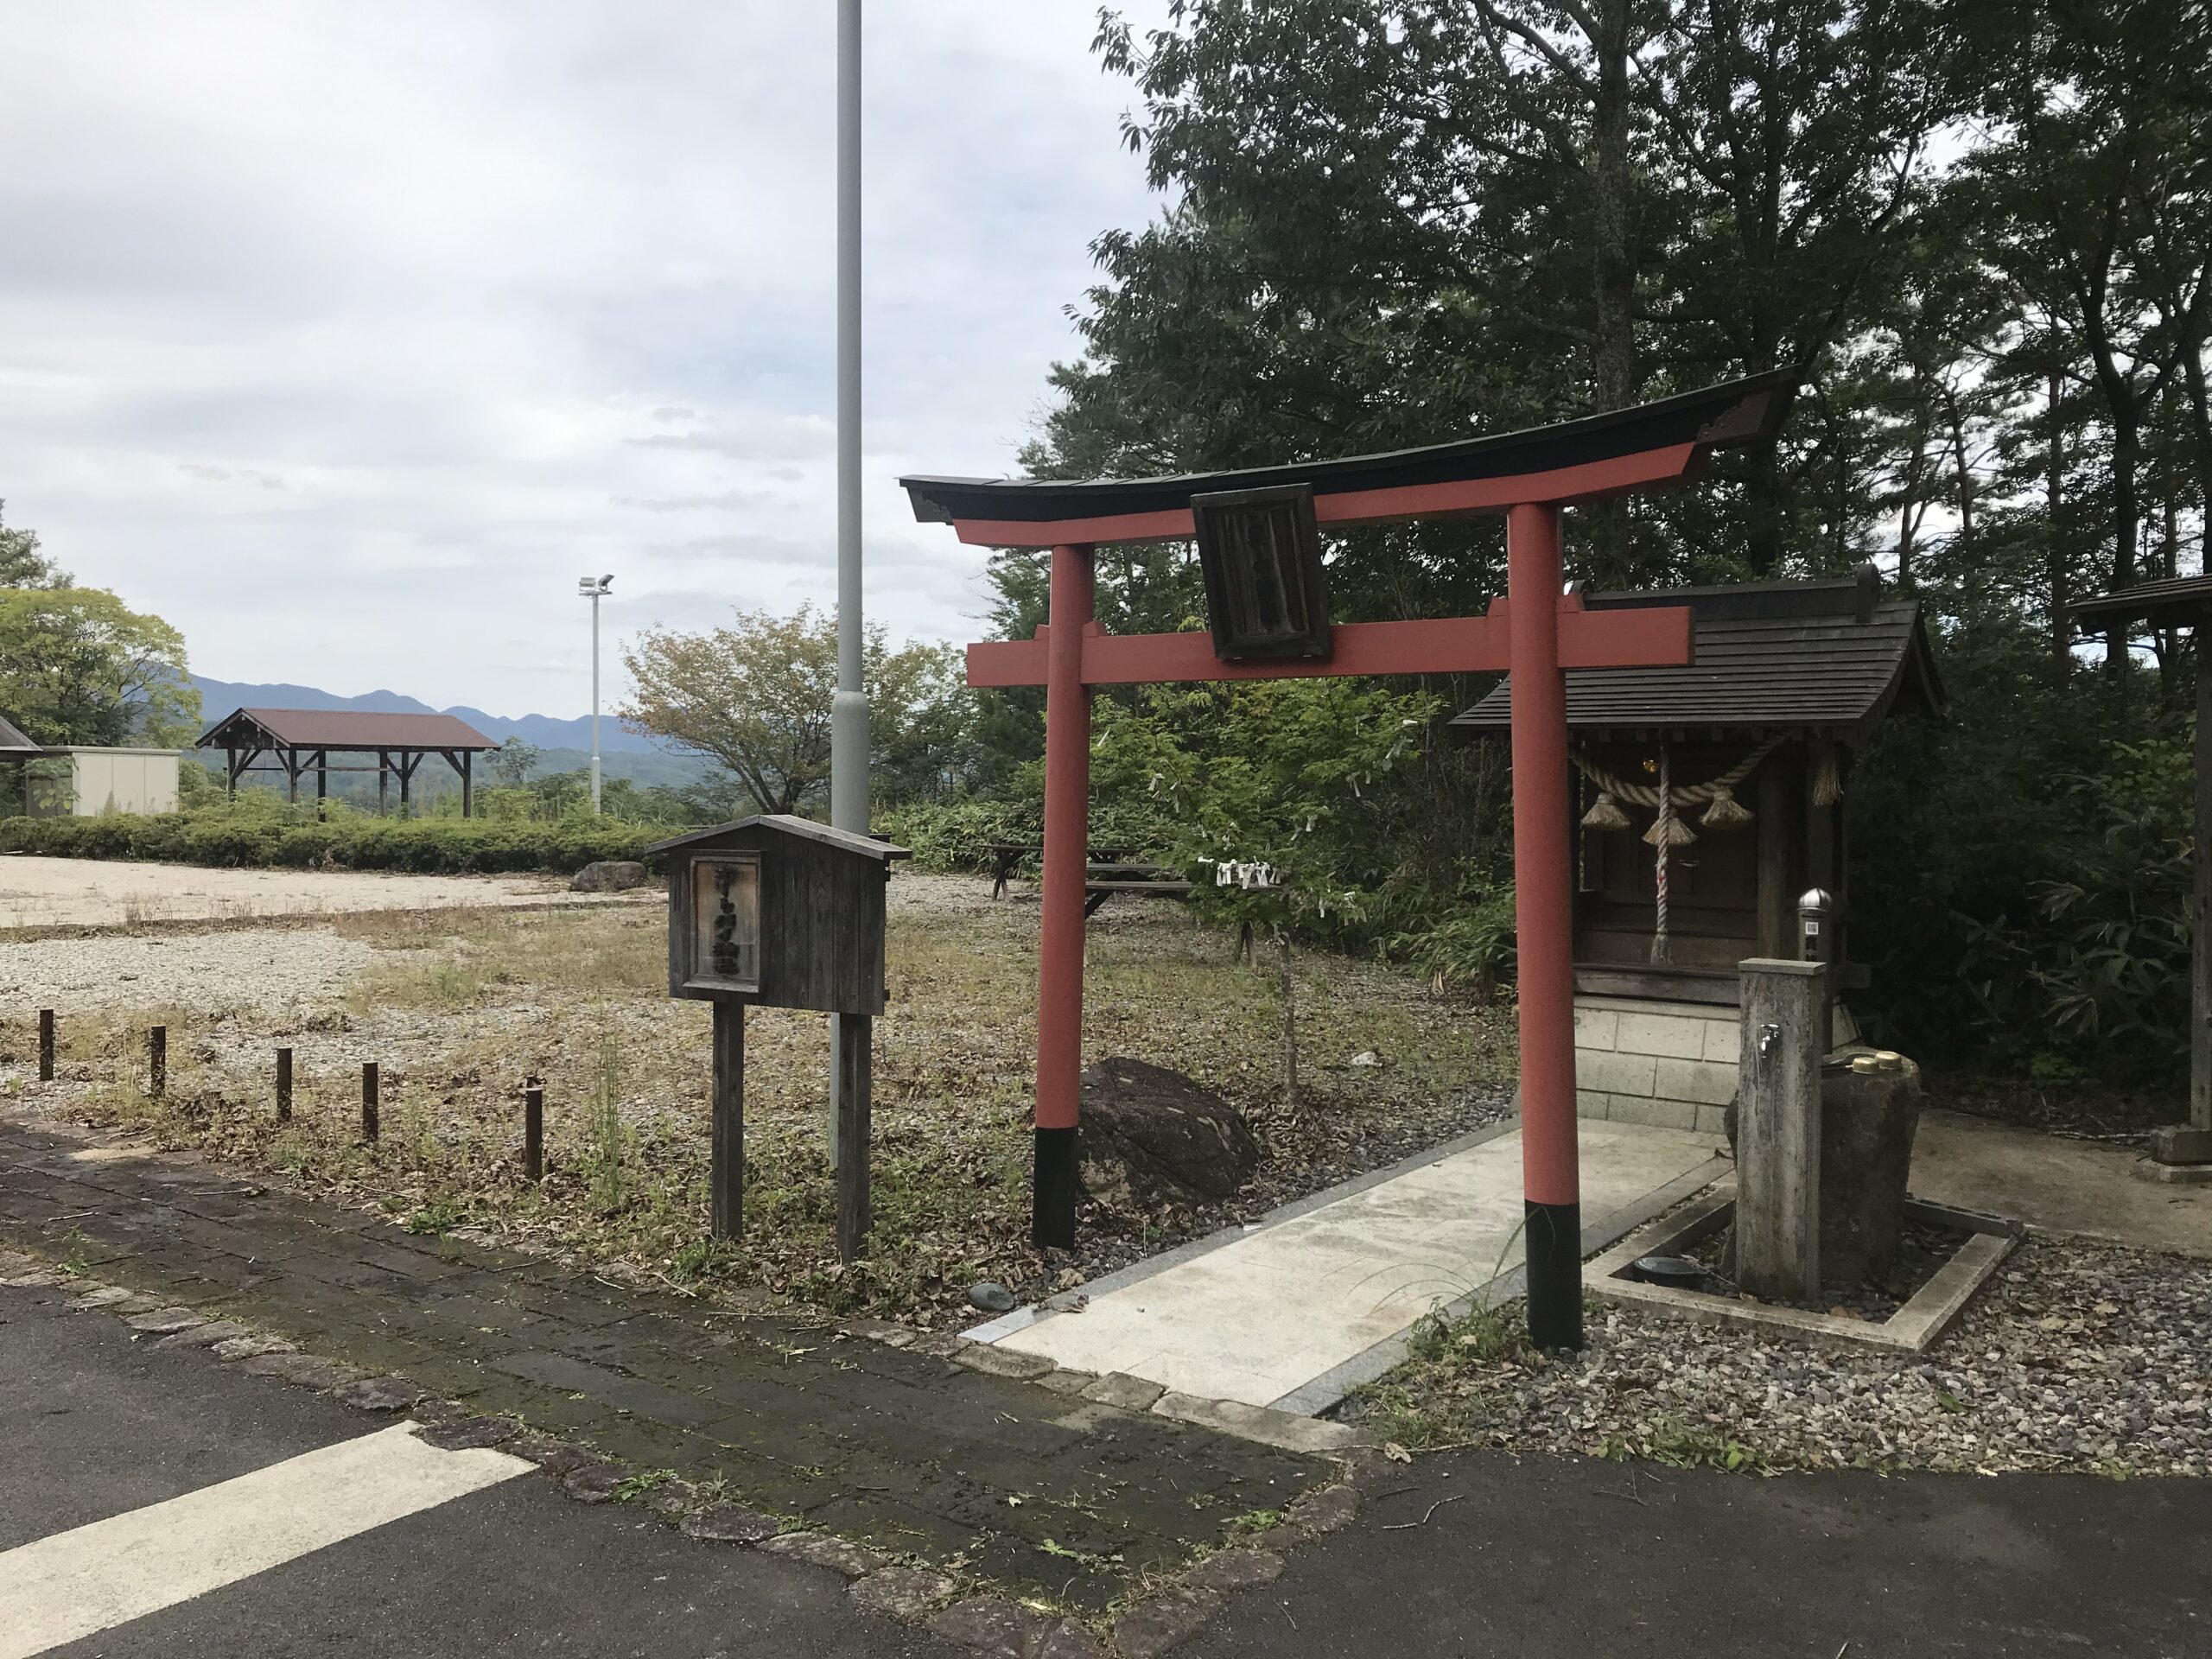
x=1536, y=631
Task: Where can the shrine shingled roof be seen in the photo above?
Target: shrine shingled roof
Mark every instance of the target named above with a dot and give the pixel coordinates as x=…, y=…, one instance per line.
x=13, y=742
x=1830, y=658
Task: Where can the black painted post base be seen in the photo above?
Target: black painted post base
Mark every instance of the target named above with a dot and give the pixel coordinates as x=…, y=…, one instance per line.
x=1552, y=1233
x=1052, y=1196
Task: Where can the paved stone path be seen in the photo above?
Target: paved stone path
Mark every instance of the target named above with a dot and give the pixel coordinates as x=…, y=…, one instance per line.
x=1005, y=1480
x=1294, y=1313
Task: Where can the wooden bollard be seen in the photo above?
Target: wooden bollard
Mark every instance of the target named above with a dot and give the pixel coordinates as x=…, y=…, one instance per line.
x=726, y=1172
x=368, y=1100
x=157, y=1060
x=46, y=1045
x=284, y=1085
x=533, y=1135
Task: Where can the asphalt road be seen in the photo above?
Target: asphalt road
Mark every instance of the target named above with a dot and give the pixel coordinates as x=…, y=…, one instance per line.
x=1549, y=1558
x=94, y=1425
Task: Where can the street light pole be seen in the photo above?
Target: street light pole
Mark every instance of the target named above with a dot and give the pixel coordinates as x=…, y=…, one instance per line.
x=595, y=589
x=849, y=732
x=848, y=737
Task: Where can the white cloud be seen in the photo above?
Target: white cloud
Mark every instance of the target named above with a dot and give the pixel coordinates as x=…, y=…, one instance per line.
x=345, y=337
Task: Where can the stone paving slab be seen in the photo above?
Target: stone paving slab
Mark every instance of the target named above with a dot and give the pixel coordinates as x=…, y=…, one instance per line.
x=1046, y=1495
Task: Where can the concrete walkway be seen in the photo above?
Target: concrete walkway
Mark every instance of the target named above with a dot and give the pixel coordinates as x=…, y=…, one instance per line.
x=2087, y=1188
x=1294, y=1313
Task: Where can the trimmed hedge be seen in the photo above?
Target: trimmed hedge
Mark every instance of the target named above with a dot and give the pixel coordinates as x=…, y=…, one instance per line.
x=422, y=846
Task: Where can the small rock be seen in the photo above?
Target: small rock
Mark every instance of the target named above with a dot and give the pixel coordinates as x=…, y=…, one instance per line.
x=1330, y=1509
x=882, y=1331
x=1068, y=1640
x=37, y=1280
x=468, y=1433
x=162, y=1321
x=1235, y=1569
x=671, y=1500
x=991, y=1297
x=1124, y=1392
x=730, y=1523
x=940, y=1344
x=820, y=1549
x=205, y=1336
x=249, y=1347
x=902, y=1591
x=991, y=1624
x=593, y=1482
x=556, y=1457
x=380, y=1394
x=1365, y=1056
x=101, y=1297
x=1002, y=1361
x=1156, y=1626
x=304, y=1371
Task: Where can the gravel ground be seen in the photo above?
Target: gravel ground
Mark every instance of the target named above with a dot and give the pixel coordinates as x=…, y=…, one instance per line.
x=265, y=969
x=2078, y=1357
x=50, y=893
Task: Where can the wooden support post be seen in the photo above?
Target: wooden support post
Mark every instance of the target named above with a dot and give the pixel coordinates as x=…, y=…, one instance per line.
x=1059, y=950
x=46, y=1045
x=284, y=1085
x=533, y=1134
x=231, y=770
x=726, y=1182
x=322, y=781
x=467, y=796
x=290, y=758
x=157, y=1060
x=1544, y=927
x=384, y=781
x=369, y=1101
x=1778, y=1129
x=2191, y=1144
x=854, y=1032
x=407, y=765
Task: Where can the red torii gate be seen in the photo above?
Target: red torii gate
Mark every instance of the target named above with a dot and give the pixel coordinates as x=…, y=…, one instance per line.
x=1536, y=631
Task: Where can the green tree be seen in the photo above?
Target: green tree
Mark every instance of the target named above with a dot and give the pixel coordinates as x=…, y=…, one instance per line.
x=754, y=699
x=513, y=761
x=22, y=565
x=77, y=666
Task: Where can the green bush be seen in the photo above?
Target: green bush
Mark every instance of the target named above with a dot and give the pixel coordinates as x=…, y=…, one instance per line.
x=957, y=836
x=252, y=835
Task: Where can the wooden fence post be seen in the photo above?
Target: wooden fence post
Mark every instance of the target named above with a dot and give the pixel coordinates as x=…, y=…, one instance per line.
x=533, y=1135
x=284, y=1085
x=368, y=1100
x=854, y=1035
x=46, y=1045
x=726, y=1177
x=1778, y=1129
x=157, y=1060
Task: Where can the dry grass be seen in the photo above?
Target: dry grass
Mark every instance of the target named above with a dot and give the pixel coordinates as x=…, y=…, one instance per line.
x=461, y=1009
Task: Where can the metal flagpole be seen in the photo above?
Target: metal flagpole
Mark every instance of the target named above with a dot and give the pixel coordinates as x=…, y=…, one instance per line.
x=848, y=735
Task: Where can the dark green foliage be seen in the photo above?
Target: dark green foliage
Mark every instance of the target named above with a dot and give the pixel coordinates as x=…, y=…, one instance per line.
x=254, y=836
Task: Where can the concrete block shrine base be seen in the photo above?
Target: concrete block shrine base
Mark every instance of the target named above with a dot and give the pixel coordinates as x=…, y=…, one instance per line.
x=1296, y=1311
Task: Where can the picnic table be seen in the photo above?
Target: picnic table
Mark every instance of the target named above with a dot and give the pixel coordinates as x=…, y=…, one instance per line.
x=1106, y=872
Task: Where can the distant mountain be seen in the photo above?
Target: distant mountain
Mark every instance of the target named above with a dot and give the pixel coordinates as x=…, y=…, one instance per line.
x=219, y=698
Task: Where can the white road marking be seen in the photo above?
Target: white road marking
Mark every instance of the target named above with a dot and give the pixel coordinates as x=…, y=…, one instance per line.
x=77, y=1583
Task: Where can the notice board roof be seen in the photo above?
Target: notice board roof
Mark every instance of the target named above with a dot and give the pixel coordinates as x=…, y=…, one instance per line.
x=343, y=728
x=791, y=824
x=1830, y=658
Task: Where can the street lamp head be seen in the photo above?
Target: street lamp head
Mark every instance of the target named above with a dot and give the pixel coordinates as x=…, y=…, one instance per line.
x=593, y=587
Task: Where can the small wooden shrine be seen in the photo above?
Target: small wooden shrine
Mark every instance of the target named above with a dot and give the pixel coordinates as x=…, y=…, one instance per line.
x=1753, y=746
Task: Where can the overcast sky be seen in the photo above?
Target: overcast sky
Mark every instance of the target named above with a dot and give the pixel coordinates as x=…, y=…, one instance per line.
x=347, y=337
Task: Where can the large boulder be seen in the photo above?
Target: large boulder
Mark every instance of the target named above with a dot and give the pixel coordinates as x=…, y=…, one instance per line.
x=1151, y=1135
x=609, y=876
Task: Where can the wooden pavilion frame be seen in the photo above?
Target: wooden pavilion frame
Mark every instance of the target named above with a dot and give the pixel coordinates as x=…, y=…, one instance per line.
x=2182, y=602
x=299, y=740
x=1537, y=630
